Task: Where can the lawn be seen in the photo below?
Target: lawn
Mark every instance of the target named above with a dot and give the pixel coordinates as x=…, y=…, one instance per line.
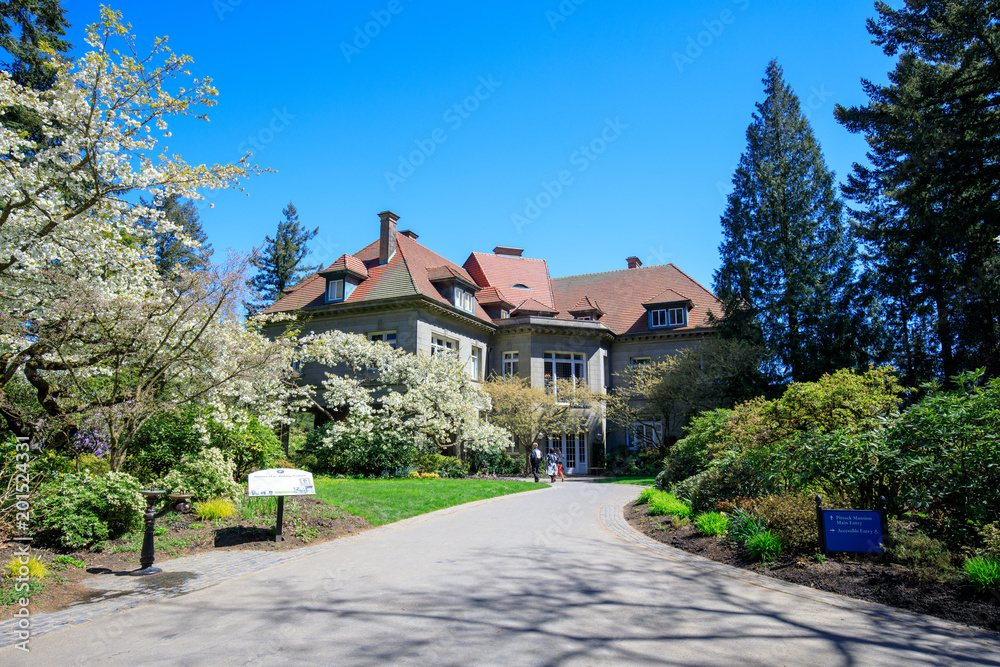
x=386, y=500
x=641, y=480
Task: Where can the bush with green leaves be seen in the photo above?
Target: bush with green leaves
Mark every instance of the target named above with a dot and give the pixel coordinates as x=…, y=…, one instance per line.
x=990, y=536
x=690, y=455
x=380, y=453
x=791, y=518
x=763, y=547
x=911, y=547
x=983, y=573
x=711, y=524
x=645, y=496
x=742, y=526
x=214, y=508
x=162, y=442
x=77, y=511
x=251, y=446
x=497, y=462
x=204, y=474
x=664, y=504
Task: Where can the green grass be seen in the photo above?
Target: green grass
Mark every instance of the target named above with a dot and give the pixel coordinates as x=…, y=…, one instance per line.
x=983, y=573
x=712, y=524
x=383, y=501
x=641, y=480
x=663, y=504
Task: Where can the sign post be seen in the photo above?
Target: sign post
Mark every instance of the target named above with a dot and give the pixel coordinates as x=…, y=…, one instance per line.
x=854, y=531
x=280, y=482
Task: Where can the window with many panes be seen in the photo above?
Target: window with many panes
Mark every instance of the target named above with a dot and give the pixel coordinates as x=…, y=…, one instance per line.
x=644, y=435
x=384, y=337
x=441, y=345
x=465, y=300
x=510, y=364
x=569, y=366
x=668, y=317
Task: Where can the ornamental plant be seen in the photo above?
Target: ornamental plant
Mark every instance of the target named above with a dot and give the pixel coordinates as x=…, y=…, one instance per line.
x=711, y=524
x=206, y=474
x=983, y=573
x=664, y=504
x=214, y=508
x=78, y=511
x=763, y=547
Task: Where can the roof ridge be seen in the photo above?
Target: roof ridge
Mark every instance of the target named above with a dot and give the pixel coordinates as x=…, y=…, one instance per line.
x=638, y=268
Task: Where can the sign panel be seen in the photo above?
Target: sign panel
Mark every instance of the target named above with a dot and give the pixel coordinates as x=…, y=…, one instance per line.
x=280, y=482
x=858, y=531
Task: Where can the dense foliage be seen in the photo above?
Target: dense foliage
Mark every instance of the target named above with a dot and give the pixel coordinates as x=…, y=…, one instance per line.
x=205, y=475
x=79, y=510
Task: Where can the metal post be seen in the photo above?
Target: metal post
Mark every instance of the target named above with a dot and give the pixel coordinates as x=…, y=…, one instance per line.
x=278, y=537
x=819, y=525
x=147, y=557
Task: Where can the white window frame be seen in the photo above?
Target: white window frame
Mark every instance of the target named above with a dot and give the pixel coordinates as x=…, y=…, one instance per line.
x=443, y=344
x=504, y=314
x=384, y=337
x=331, y=284
x=476, y=363
x=509, y=365
x=578, y=369
x=662, y=318
x=648, y=430
x=465, y=300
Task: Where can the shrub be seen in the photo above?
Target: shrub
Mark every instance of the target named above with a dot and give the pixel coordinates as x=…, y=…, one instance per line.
x=34, y=568
x=791, y=518
x=689, y=455
x=983, y=573
x=622, y=461
x=912, y=547
x=251, y=446
x=93, y=465
x=990, y=536
x=370, y=454
x=162, y=442
x=205, y=474
x=645, y=496
x=711, y=523
x=496, y=462
x=764, y=546
x=77, y=511
x=216, y=508
x=444, y=466
x=416, y=474
x=664, y=504
x=742, y=526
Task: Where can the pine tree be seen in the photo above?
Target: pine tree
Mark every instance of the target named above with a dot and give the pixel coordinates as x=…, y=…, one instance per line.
x=786, y=279
x=171, y=251
x=930, y=198
x=278, y=261
x=39, y=26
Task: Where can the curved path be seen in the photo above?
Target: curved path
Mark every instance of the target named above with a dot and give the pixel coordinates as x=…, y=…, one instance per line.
x=548, y=577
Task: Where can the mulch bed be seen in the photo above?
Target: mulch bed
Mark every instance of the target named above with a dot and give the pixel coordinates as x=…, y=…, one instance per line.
x=855, y=576
x=307, y=521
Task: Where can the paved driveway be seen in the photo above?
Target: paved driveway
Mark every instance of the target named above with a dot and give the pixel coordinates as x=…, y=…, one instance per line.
x=533, y=579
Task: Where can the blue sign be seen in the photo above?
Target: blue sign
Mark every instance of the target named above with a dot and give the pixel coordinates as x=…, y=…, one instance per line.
x=859, y=531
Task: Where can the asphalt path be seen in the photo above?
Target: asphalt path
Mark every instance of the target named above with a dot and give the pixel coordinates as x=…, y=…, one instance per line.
x=539, y=578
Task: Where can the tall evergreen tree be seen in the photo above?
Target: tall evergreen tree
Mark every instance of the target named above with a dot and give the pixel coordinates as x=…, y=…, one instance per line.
x=930, y=198
x=787, y=279
x=31, y=32
x=279, y=260
x=173, y=251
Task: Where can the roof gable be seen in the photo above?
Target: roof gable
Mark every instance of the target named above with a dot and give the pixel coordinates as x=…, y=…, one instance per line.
x=505, y=271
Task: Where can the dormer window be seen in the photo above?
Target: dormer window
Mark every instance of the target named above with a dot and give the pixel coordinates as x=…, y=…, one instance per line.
x=465, y=300
x=520, y=286
x=667, y=317
x=335, y=290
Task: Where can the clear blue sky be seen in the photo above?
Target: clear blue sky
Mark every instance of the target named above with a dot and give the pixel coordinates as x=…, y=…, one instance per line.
x=670, y=86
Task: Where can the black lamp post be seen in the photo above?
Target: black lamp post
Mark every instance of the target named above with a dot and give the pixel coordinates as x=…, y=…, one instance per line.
x=146, y=557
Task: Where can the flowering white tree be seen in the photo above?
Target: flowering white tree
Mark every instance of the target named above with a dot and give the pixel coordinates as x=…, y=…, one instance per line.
x=373, y=387
x=88, y=331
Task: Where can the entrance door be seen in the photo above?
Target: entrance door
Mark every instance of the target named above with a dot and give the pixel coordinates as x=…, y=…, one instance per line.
x=574, y=450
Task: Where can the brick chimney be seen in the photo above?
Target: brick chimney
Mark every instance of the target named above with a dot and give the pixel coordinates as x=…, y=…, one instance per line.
x=504, y=250
x=633, y=262
x=387, y=236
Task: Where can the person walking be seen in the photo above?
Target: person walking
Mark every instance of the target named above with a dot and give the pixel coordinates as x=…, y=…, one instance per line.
x=535, y=457
x=559, y=464
x=552, y=464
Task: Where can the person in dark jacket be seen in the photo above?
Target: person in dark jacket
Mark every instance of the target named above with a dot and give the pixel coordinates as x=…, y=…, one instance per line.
x=536, y=459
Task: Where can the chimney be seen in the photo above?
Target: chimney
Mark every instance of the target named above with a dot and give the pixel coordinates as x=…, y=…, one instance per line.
x=633, y=262
x=410, y=233
x=504, y=250
x=387, y=236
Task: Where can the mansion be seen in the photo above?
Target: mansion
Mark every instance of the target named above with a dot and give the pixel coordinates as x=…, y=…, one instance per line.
x=504, y=314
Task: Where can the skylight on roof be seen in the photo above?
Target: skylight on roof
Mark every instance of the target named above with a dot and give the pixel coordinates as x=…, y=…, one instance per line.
x=520, y=286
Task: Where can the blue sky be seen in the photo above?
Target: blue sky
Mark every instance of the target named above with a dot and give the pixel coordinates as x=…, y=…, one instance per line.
x=583, y=131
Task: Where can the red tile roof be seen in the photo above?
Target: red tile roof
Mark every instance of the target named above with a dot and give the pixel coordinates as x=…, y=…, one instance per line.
x=505, y=271
x=585, y=305
x=405, y=274
x=348, y=263
x=668, y=296
x=490, y=296
x=623, y=293
x=532, y=306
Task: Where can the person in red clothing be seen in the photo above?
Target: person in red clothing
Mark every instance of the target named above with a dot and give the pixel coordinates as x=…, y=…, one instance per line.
x=559, y=465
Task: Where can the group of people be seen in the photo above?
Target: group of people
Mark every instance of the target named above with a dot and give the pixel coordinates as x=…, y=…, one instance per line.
x=553, y=462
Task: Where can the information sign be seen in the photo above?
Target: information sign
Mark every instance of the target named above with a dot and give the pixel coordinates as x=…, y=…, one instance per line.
x=858, y=531
x=280, y=482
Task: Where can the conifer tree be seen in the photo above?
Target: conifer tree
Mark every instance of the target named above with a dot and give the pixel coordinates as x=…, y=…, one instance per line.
x=30, y=32
x=786, y=279
x=930, y=198
x=279, y=260
x=173, y=251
